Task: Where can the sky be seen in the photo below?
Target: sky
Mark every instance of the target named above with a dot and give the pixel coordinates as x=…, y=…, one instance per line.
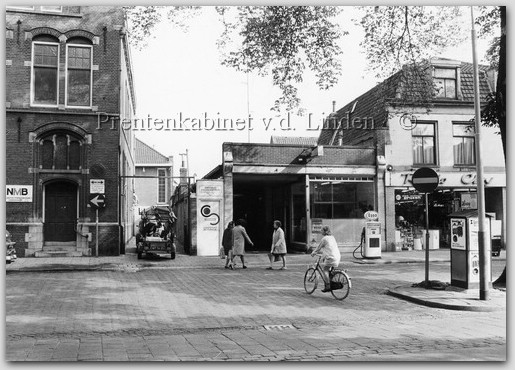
x=179, y=78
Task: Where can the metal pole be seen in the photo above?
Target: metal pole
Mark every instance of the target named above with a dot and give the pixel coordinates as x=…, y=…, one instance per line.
x=427, y=243
x=96, y=234
x=483, y=245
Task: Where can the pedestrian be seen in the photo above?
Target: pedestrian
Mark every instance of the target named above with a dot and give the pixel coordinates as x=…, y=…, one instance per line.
x=227, y=243
x=278, y=249
x=330, y=255
x=239, y=238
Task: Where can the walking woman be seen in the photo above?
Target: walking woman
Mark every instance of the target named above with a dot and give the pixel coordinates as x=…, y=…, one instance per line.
x=227, y=241
x=240, y=236
x=278, y=250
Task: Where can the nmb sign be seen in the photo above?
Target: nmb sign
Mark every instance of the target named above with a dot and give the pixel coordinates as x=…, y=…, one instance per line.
x=18, y=193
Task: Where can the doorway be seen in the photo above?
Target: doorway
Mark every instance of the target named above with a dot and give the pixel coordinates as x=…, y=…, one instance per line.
x=60, y=211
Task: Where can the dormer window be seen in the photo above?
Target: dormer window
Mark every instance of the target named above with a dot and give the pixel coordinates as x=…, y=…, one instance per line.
x=445, y=81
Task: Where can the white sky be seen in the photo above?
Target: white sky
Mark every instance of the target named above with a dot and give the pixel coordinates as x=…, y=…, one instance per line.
x=179, y=73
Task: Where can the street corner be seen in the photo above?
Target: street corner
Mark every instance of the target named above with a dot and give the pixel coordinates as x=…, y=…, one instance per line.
x=450, y=297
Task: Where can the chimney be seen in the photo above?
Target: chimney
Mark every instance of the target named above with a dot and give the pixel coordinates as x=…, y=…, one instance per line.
x=334, y=106
x=183, y=173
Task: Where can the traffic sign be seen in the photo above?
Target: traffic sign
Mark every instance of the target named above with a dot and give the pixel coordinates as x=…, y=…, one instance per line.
x=425, y=180
x=96, y=186
x=97, y=200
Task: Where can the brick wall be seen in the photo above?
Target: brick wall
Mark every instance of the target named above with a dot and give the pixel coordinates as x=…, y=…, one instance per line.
x=103, y=26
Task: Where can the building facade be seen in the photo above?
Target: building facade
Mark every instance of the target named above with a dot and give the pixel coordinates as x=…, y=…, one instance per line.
x=68, y=86
x=440, y=136
x=153, y=184
x=303, y=186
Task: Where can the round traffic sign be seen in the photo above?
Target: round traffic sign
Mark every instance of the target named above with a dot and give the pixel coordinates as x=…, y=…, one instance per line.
x=425, y=180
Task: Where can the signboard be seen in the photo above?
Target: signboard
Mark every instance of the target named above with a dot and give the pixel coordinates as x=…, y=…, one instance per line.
x=97, y=186
x=316, y=225
x=409, y=196
x=18, y=193
x=209, y=227
x=458, y=240
x=425, y=180
x=371, y=215
x=97, y=200
x=468, y=200
x=209, y=189
x=450, y=179
x=473, y=230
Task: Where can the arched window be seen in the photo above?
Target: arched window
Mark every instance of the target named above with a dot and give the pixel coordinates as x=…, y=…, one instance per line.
x=79, y=60
x=45, y=67
x=60, y=151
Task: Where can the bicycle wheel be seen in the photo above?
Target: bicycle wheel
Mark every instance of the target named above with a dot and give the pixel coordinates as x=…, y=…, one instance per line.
x=340, y=285
x=310, y=280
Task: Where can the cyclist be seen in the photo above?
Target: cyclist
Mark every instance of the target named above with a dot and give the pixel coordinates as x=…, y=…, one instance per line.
x=331, y=255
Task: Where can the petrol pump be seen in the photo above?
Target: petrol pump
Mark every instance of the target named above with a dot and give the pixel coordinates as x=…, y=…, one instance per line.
x=371, y=236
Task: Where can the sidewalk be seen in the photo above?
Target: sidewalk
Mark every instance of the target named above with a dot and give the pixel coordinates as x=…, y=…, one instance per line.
x=452, y=298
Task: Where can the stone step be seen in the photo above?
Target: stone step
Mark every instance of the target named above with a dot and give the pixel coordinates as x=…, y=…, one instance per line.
x=58, y=254
x=60, y=246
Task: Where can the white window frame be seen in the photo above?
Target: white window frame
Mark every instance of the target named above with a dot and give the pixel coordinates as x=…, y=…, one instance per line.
x=21, y=7
x=33, y=81
x=444, y=79
x=435, y=145
x=45, y=9
x=472, y=136
x=166, y=185
x=90, y=78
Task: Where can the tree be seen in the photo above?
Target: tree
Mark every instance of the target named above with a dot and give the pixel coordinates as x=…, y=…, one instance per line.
x=278, y=41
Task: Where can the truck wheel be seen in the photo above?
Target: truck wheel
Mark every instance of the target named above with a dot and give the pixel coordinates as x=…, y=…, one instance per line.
x=173, y=255
x=139, y=255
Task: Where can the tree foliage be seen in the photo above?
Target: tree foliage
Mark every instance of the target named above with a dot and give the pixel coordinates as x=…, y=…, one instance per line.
x=282, y=42
x=407, y=35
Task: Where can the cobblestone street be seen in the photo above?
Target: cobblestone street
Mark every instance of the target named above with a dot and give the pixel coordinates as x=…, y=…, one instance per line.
x=169, y=310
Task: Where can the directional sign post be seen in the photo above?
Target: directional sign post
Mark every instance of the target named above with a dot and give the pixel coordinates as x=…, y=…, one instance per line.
x=97, y=201
x=425, y=180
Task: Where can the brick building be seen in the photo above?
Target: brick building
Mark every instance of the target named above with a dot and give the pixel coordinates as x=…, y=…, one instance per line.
x=68, y=84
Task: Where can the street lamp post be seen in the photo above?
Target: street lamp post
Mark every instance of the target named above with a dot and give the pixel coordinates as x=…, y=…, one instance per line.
x=483, y=245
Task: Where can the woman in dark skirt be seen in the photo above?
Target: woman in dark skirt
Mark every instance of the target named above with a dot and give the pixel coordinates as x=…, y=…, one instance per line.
x=227, y=242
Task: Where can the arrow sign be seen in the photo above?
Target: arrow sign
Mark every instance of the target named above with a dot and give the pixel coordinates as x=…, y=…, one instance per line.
x=97, y=200
x=425, y=180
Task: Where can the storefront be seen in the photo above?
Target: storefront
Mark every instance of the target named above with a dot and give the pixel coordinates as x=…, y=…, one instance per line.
x=303, y=188
x=456, y=192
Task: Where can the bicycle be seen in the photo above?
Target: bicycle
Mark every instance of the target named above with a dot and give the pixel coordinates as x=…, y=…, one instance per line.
x=340, y=282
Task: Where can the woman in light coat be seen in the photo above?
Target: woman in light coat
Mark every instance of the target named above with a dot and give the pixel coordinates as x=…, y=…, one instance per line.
x=278, y=246
x=239, y=238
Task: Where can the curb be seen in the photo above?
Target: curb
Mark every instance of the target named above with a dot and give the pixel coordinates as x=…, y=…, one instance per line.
x=437, y=304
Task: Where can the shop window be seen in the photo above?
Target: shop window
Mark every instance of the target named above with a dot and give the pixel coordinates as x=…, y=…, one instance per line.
x=341, y=200
x=161, y=185
x=445, y=82
x=423, y=141
x=464, y=144
x=45, y=63
x=78, y=75
x=60, y=152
